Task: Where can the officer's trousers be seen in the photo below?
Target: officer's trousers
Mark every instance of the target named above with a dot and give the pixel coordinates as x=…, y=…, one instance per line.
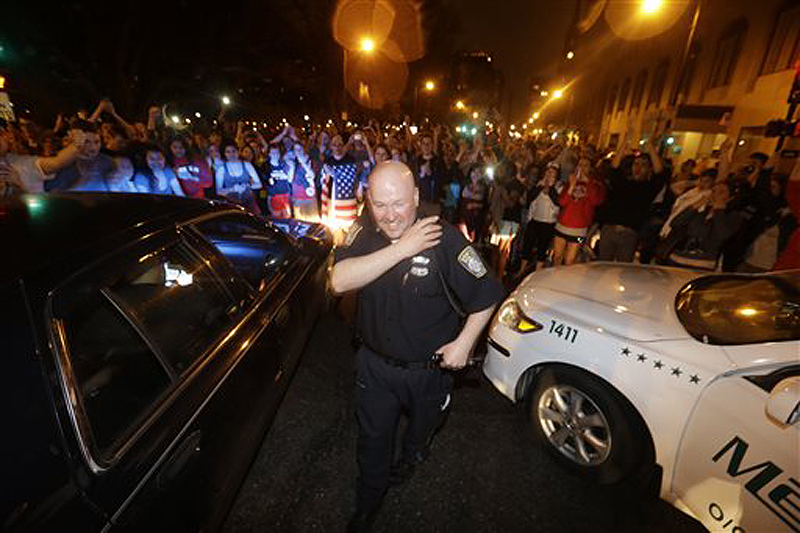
x=383, y=393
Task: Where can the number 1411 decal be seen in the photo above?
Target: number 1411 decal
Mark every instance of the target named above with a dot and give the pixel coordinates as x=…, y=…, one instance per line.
x=563, y=331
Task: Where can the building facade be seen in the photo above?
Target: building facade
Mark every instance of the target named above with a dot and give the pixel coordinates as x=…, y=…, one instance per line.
x=477, y=81
x=723, y=69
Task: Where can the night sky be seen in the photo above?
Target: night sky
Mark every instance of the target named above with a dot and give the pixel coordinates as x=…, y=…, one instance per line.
x=525, y=36
x=270, y=55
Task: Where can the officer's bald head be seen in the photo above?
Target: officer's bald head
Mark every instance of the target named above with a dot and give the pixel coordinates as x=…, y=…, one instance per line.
x=393, y=198
x=392, y=172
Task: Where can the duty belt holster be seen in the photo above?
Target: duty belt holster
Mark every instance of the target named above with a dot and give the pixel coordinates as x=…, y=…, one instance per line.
x=430, y=364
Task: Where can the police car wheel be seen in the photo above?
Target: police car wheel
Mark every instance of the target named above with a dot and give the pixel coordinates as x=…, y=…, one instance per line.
x=586, y=424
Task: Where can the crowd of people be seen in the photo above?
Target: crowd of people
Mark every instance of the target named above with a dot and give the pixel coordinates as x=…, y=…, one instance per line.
x=528, y=202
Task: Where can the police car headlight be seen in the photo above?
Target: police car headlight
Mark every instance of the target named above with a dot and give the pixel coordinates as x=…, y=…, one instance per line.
x=512, y=317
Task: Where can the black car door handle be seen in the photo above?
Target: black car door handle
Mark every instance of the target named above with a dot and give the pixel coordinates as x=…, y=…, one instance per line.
x=180, y=459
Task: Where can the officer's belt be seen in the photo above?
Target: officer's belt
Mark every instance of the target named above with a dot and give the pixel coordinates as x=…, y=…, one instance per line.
x=433, y=362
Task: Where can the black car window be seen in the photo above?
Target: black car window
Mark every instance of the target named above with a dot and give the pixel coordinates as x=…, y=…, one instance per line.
x=116, y=374
x=179, y=302
x=733, y=309
x=257, y=251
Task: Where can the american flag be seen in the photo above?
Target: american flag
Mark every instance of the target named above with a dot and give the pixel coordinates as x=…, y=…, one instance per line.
x=342, y=177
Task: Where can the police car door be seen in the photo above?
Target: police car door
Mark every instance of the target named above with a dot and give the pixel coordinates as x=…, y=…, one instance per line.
x=739, y=462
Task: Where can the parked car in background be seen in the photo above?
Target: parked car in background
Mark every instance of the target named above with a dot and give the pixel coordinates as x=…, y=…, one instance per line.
x=630, y=370
x=148, y=341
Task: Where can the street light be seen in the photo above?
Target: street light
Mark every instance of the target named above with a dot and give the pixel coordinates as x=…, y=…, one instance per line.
x=535, y=115
x=367, y=44
x=570, y=54
x=558, y=93
x=475, y=114
x=226, y=100
x=460, y=105
x=544, y=93
x=651, y=6
x=429, y=85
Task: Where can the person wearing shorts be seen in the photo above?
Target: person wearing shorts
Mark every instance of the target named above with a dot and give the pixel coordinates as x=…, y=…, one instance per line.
x=279, y=184
x=578, y=202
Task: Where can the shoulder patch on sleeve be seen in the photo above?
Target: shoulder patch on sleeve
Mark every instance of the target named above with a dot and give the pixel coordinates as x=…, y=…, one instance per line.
x=472, y=262
x=352, y=233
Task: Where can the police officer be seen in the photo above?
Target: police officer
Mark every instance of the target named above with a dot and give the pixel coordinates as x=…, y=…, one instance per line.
x=411, y=272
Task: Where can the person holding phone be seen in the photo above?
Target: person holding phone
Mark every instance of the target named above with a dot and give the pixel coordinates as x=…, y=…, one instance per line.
x=542, y=216
x=578, y=201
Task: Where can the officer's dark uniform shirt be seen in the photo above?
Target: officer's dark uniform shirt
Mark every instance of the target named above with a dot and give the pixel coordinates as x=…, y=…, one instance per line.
x=406, y=313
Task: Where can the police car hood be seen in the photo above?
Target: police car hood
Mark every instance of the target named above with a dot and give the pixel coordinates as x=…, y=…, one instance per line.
x=636, y=302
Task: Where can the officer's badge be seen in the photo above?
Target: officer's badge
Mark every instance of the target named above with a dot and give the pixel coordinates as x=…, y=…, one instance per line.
x=420, y=260
x=419, y=271
x=471, y=261
x=352, y=233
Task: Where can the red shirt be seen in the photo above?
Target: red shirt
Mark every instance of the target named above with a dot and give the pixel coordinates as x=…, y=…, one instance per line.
x=579, y=212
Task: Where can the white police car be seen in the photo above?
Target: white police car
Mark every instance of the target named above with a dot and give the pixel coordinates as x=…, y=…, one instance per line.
x=624, y=367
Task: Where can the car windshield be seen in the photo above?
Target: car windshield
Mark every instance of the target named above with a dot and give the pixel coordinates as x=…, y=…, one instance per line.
x=742, y=309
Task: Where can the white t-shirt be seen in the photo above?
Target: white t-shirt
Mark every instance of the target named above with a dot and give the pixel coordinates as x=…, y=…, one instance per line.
x=543, y=209
x=26, y=172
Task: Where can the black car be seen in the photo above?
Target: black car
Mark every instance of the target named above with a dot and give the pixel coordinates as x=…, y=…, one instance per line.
x=147, y=342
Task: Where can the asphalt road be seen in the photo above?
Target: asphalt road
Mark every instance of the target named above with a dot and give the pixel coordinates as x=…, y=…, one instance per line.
x=483, y=473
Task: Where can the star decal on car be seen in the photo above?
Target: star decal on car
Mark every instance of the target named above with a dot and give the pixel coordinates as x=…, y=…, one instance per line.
x=626, y=352
x=658, y=365
x=694, y=378
x=677, y=371
x=641, y=358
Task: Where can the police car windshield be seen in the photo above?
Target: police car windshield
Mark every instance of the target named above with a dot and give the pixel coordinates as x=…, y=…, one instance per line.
x=741, y=309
